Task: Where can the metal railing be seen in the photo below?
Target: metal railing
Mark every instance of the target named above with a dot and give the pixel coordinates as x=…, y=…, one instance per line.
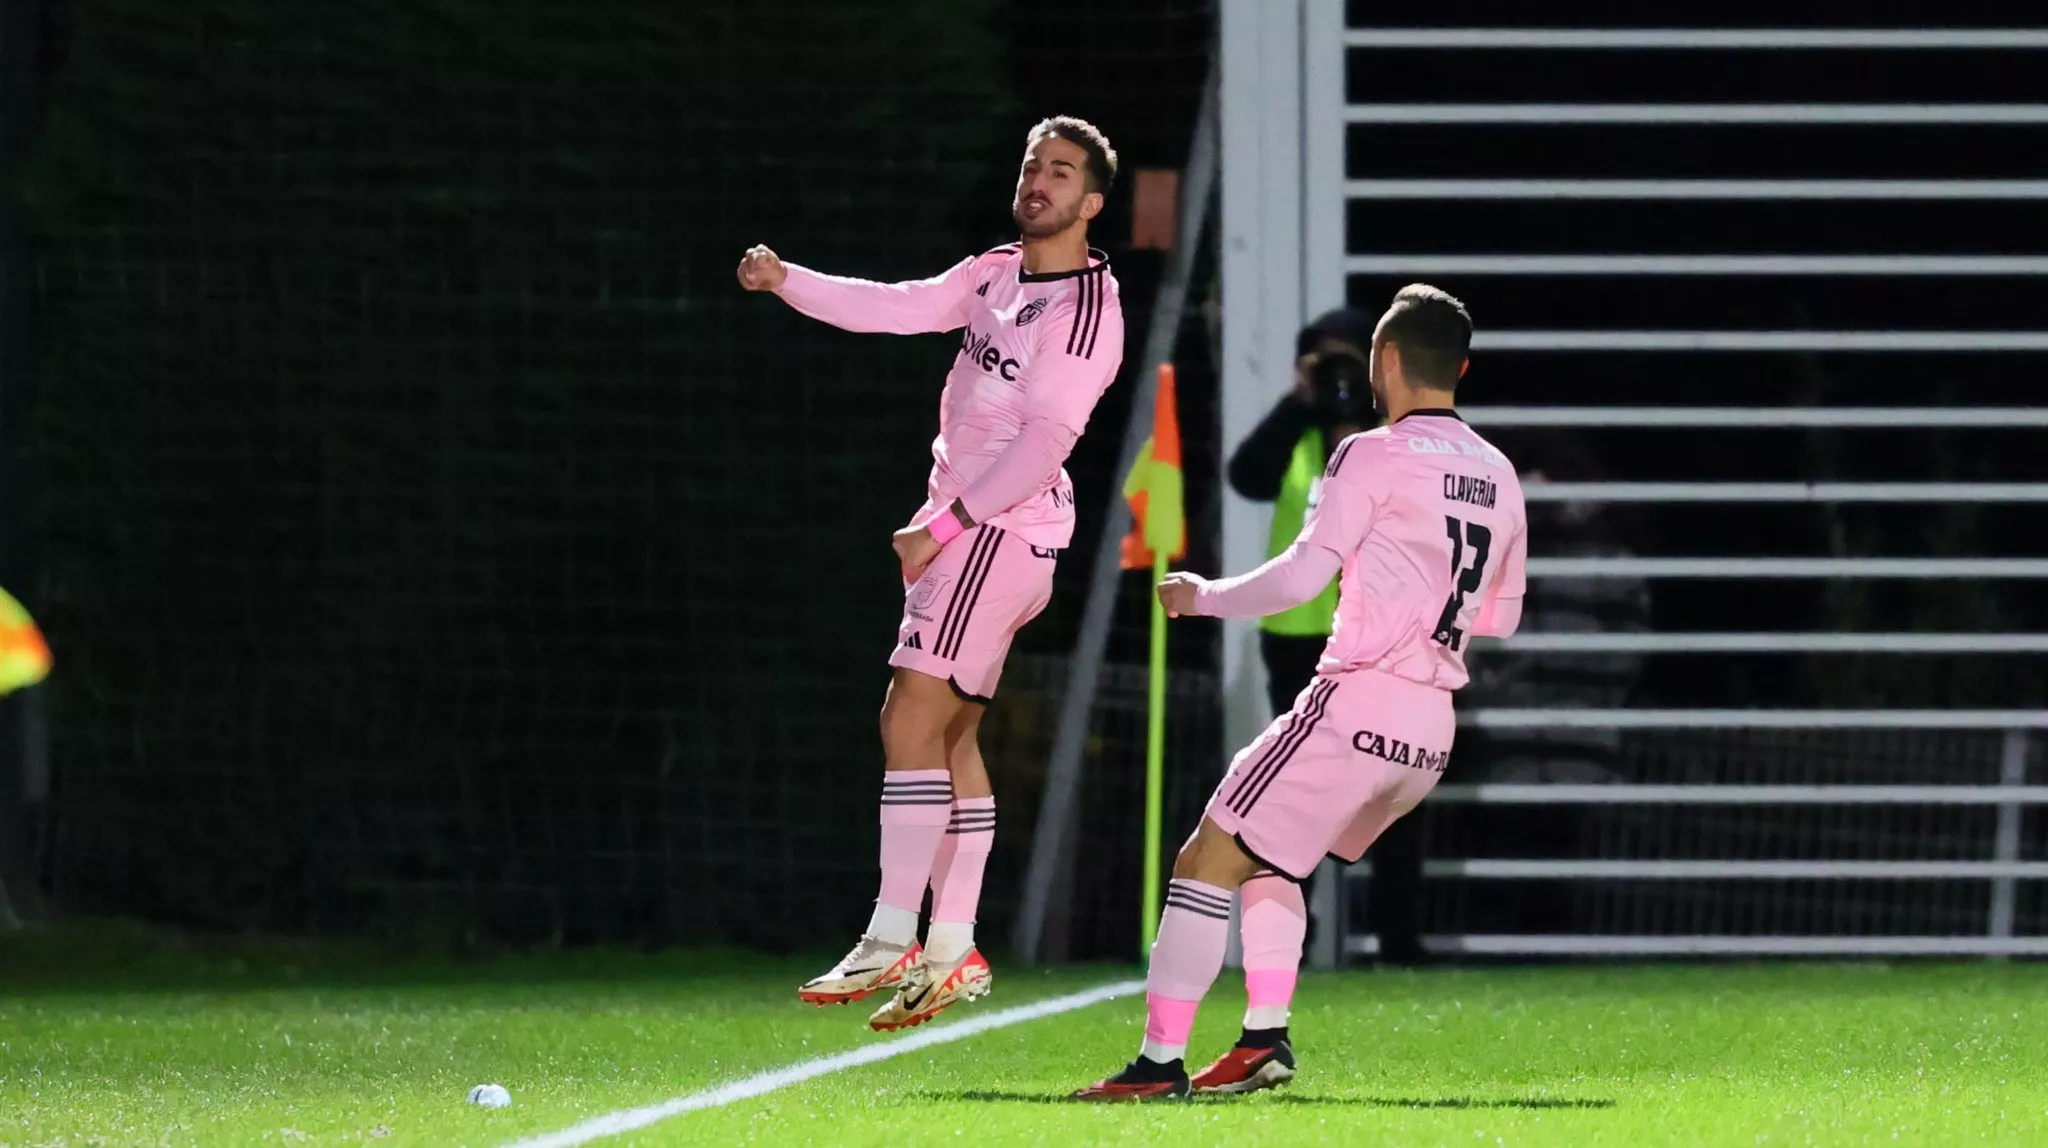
x=1999, y=860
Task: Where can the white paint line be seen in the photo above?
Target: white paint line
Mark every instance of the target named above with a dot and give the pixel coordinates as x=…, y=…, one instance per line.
x=761, y=1084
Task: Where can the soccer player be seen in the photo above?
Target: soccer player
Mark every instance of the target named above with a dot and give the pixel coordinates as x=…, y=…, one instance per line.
x=1042, y=336
x=1425, y=521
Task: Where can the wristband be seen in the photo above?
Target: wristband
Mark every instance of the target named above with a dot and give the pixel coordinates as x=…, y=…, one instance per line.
x=945, y=526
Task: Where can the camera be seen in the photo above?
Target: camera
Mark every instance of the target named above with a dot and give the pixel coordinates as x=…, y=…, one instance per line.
x=1341, y=388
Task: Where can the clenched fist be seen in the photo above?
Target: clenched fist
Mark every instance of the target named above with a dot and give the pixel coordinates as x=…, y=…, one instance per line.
x=1177, y=593
x=761, y=269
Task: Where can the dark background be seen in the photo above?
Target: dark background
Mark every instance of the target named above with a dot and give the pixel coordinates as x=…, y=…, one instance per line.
x=436, y=545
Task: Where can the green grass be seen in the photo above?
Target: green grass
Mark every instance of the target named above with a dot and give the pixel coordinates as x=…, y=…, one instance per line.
x=133, y=1040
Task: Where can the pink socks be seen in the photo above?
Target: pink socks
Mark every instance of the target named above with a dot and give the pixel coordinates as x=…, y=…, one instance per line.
x=916, y=804
x=956, y=877
x=1193, y=932
x=1274, y=927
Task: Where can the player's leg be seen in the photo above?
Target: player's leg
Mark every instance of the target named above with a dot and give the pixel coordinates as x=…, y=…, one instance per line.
x=1273, y=906
x=1194, y=930
x=916, y=805
x=951, y=968
x=970, y=836
x=963, y=635
x=1273, y=922
x=1243, y=832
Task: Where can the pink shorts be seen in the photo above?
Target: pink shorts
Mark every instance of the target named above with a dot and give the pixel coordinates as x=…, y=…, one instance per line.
x=958, y=618
x=1356, y=752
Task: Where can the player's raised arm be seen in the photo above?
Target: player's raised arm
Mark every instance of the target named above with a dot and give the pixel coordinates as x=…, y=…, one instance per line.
x=915, y=307
x=1335, y=528
x=1288, y=579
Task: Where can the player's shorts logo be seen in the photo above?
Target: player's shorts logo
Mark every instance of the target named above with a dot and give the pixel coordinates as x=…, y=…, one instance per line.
x=1398, y=752
x=927, y=590
x=1032, y=310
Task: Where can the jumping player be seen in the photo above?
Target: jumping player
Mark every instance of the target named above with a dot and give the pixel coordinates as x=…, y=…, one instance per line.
x=1425, y=521
x=1042, y=336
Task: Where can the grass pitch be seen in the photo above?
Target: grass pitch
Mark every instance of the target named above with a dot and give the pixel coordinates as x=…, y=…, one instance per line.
x=130, y=1041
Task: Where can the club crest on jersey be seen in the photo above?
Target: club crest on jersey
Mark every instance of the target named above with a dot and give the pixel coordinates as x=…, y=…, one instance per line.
x=1032, y=310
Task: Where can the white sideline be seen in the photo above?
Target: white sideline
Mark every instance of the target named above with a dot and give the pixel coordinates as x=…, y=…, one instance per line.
x=760, y=1084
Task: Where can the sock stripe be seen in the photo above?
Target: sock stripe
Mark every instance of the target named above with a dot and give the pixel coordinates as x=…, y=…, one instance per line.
x=1199, y=911
x=972, y=819
x=1187, y=889
x=1182, y=898
x=1182, y=895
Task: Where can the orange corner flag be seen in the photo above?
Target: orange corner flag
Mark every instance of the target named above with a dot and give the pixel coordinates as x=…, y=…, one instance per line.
x=1153, y=488
x=24, y=656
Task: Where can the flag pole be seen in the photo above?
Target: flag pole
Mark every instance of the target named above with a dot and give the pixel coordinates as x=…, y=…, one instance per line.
x=1155, y=761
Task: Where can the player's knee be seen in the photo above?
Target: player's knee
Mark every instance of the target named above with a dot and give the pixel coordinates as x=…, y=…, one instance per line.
x=963, y=730
x=914, y=726
x=1214, y=857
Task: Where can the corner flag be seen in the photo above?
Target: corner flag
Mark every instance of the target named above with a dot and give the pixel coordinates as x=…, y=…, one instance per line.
x=24, y=656
x=1153, y=488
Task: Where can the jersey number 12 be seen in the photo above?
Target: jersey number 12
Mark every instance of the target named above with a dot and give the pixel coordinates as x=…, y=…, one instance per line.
x=1464, y=579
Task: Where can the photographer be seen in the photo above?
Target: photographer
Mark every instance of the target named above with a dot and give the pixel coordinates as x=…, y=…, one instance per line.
x=1282, y=462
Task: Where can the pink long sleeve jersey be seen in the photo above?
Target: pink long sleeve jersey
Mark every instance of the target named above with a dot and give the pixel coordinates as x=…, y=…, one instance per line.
x=1036, y=352
x=1426, y=522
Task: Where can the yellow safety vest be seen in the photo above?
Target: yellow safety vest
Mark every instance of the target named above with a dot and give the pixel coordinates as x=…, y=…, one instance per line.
x=1299, y=492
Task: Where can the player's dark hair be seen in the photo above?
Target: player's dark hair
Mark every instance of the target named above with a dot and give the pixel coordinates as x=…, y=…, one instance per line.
x=1089, y=138
x=1434, y=332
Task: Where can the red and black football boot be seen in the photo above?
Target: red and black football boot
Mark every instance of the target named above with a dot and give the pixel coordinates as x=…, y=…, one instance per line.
x=1248, y=1068
x=1141, y=1079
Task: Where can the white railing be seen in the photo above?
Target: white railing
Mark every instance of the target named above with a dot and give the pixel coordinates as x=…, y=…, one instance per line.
x=1698, y=189
x=1789, y=567
x=1712, y=945
x=1710, y=870
x=1700, y=39
x=1916, y=795
x=1888, y=265
x=1507, y=718
x=1705, y=114
x=2004, y=869
x=1947, y=492
x=1328, y=196
x=1766, y=643
x=1866, y=418
x=1754, y=341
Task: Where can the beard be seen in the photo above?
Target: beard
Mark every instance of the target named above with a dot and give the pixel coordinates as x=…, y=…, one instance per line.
x=1049, y=222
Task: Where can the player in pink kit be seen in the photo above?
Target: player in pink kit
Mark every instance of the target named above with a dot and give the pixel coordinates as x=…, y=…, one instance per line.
x=1041, y=338
x=1425, y=521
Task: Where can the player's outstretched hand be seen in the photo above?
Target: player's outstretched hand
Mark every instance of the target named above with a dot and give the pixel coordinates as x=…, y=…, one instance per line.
x=1177, y=593
x=762, y=269
x=915, y=549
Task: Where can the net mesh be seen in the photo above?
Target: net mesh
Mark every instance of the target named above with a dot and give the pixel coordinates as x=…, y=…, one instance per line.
x=435, y=540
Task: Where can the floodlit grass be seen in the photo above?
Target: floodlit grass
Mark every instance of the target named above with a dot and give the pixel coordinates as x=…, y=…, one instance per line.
x=129, y=1043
